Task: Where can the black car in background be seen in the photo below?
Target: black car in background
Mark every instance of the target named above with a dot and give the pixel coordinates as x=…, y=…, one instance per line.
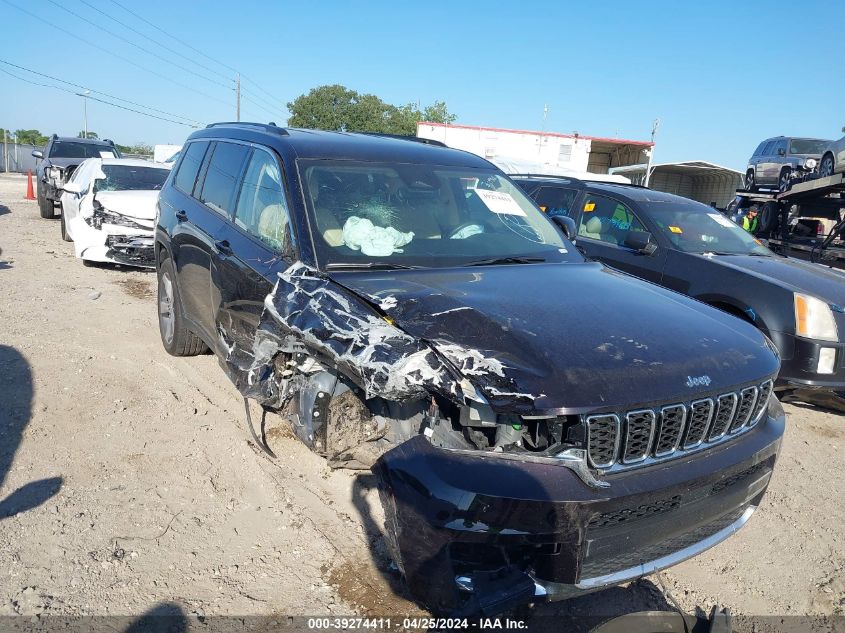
x=689, y=247
x=539, y=424
x=57, y=161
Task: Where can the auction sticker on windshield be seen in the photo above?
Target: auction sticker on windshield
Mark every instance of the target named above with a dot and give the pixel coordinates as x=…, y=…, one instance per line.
x=500, y=202
x=721, y=220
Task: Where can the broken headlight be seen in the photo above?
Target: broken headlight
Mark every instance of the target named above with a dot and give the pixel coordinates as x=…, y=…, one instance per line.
x=55, y=173
x=104, y=216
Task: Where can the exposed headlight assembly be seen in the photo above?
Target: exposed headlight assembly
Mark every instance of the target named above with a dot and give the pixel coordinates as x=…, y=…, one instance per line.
x=810, y=163
x=814, y=318
x=56, y=173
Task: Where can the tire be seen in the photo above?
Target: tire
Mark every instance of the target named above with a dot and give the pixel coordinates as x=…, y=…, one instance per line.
x=65, y=236
x=45, y=206
x=750, y=181
x=784, y=182
x=826, y=166
x=177, y=339
x=769, y=215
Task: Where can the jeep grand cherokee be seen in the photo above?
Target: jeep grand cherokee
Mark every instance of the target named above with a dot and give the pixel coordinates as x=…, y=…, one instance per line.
x=540, y=424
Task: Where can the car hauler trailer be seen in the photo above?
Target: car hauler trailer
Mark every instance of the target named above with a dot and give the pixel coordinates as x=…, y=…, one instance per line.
x=807, y=221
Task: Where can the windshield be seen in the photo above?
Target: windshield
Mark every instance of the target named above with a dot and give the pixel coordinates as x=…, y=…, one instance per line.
x=131, y=177
x=695, y=228
x=423, y=215
x=69, y=149
x=807, y=146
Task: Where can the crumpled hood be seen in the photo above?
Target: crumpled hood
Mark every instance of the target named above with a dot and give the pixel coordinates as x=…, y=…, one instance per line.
x=134, y=204
x=64, y=163
x=568, y=338
x=793, y=274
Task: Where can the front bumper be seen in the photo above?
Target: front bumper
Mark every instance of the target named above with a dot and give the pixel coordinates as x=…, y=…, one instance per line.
x=800, y=361
x=474, y=533
x=113, y=244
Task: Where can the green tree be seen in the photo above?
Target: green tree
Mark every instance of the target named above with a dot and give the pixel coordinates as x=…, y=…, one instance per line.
x=25, y=137
x=338, y=108
x=91, y=135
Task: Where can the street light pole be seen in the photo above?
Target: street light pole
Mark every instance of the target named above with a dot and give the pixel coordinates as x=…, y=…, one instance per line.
x=654, y=127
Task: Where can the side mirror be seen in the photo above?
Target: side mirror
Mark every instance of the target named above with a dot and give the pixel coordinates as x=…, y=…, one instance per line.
x=781, y=151
x=640, y=241
x=71, y=187
x=38, y=153
x=567, y=225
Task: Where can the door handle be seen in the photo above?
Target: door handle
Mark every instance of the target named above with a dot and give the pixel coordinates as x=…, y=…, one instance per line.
x=181, y=215
x=223, y=247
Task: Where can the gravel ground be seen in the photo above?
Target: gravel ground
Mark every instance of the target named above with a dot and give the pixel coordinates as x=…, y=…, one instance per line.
x=127, y=479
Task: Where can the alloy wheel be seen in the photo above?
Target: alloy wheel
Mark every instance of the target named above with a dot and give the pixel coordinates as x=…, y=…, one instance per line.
x=166, y=316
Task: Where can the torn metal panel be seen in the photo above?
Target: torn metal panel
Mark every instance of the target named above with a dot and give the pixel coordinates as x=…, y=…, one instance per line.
x=308, y=313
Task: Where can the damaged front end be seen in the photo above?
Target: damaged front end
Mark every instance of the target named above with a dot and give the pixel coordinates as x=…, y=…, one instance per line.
x=109, y=236
x=491, y=502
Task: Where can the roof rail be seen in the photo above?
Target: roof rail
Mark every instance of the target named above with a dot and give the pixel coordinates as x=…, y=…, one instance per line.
x=546, y=176
x=267, y=127
x=109, y=141
x=402, y=137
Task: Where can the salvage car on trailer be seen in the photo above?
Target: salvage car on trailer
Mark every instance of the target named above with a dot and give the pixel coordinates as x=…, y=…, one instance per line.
x=689, y=247
x=109, y=207
x=540, y=425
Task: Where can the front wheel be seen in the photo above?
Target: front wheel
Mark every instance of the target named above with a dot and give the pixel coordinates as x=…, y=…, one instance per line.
x=65, y=235
x=784, y=182
x=177, y=339
x=826, y=167
x=45, y=207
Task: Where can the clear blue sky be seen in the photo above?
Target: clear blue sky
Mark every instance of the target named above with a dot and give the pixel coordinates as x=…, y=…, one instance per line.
x=721, y=75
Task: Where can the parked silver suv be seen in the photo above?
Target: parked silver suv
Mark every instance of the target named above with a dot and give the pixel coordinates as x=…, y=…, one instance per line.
x=773, y=163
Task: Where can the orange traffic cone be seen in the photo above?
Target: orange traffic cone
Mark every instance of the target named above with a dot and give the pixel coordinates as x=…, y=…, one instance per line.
x=30, y=195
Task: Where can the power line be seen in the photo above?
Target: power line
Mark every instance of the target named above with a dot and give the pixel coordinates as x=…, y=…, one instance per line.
x=196, y=50
x=99, y=92
x=114, y=105
x=112, y=53
x=274, y=108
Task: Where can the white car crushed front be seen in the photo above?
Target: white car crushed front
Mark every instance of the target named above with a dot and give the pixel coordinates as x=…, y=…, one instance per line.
x=108, y=210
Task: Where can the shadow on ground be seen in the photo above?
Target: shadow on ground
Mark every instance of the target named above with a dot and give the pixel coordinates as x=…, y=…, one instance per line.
x=167, y=617
x=16, y=392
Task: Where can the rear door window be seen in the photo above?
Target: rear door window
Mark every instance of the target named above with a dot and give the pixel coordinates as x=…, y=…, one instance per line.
x=262, y=210
x=780, y=145
x=556, y=200
x=221, y=179
x=190, y=166
x=607, y=220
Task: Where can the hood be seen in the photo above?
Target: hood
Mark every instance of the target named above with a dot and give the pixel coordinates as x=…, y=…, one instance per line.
x=134, y=204
x=569, y=338
x=794, y=274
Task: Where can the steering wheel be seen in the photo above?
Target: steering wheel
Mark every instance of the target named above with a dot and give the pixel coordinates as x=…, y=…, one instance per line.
x=465, y=230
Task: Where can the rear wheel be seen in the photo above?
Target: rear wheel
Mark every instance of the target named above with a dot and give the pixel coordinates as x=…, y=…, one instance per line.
x=177, y=339
x=826, y=166
x=750, y=184
x=65, y=236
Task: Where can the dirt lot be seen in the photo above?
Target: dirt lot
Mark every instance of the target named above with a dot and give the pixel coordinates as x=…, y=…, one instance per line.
x=127, y=479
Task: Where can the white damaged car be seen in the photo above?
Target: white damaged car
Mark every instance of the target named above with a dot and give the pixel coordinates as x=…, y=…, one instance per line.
x=108, y=209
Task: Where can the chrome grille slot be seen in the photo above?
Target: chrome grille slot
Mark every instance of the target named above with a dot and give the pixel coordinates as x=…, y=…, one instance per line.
x=700, y=415
x=726, y=408
x=639, y=431
x=602, y=440
x=671, y=428
x=762, y=402
x=639, y=437
x=747, y=399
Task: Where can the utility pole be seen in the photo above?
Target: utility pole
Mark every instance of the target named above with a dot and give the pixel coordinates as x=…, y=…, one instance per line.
x=5, y=151
x=238, y=92
x=654, y=127
x=84, y=96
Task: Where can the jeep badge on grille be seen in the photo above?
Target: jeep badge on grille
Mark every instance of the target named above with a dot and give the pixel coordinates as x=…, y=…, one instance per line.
x=698, y=381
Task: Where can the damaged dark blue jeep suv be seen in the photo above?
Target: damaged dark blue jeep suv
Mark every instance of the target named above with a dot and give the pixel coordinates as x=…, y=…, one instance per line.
x=540, y=425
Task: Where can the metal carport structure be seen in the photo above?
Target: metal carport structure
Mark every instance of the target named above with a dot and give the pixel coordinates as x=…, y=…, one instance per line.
x=695, y=179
